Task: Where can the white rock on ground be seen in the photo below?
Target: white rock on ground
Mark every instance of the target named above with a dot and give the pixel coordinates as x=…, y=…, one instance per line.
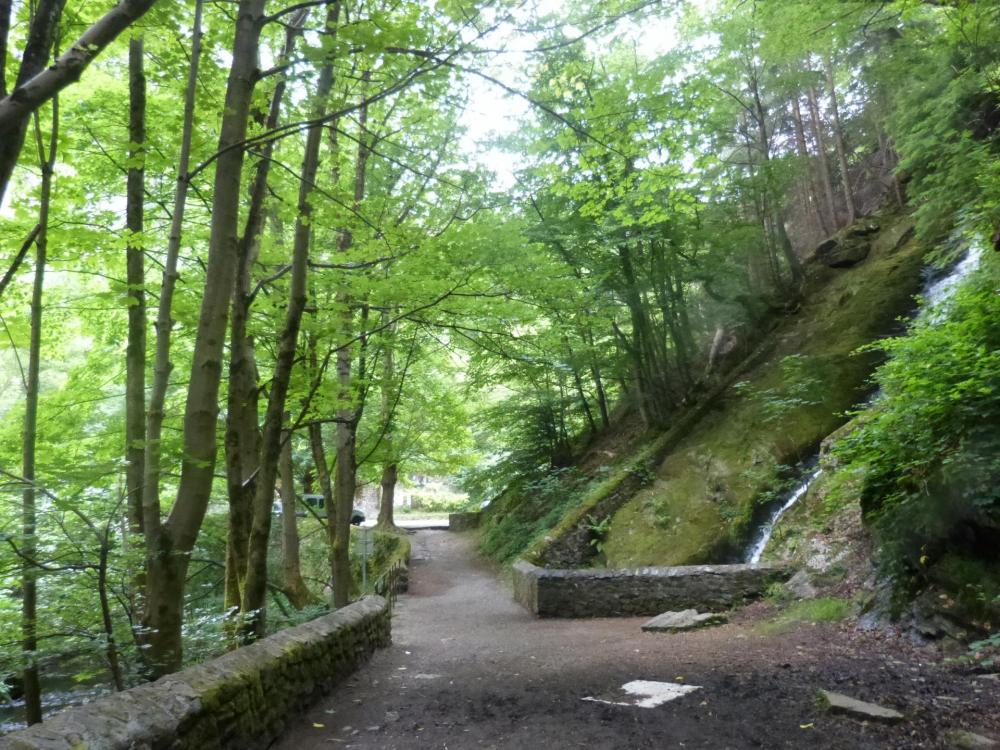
x=965, y=740
x=843, y=704
x=689, y=619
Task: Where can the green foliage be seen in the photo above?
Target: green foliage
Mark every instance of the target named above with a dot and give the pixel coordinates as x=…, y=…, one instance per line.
x=800, y=388
x=541, y=503
x=940, y=392
x=598, y=528
x=824, y=609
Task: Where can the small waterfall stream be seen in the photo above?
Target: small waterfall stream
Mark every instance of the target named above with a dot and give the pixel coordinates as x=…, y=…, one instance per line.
x=763, y=535
x=937, y=288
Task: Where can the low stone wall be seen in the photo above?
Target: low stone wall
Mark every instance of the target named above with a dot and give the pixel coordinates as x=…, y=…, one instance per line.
x=241, y=700
x=463, y=521
x=596, y=592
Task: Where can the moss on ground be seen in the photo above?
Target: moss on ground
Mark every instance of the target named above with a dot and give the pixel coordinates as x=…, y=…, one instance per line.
x=700, y=505
x=827, y=609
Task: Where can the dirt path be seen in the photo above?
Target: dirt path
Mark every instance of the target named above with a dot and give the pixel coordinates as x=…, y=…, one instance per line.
x=470, y=669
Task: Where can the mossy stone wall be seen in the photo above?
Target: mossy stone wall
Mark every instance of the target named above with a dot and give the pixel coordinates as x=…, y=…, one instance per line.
x=599, y=592
x=464, y=521
x=241, y=700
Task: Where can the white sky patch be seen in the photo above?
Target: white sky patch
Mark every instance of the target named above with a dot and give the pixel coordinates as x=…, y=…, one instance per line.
x=647, y=694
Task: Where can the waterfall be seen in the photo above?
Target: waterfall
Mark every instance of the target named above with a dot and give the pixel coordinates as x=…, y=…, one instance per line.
x=763, y=535
x=936, y=290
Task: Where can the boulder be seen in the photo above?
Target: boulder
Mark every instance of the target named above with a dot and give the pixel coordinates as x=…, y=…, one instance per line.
x=848, y=247
x=843, y=704
x=689, y=619
x=800, y=586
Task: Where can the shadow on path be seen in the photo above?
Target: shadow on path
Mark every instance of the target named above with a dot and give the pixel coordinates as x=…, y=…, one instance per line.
x=469, y=668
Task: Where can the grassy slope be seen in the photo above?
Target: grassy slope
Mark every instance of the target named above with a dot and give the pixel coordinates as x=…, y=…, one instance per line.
x=700, y=504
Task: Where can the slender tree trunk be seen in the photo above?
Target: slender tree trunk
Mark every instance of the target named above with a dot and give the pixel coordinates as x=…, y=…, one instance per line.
x=773, y=202
x=390, y=468
x=255, y=591
x=602, y=399
x=110, y=647
x=164, y=321
x=318, y=450
x=243, y=437
x=345, y=478
x=840, y=143
x=816, y=125
x=29, y=518
x=242, y=441
x=5, y=9
x=813, y=192
x=291, y=567
x=583, y=401
x=135, y=353
x=168, y=562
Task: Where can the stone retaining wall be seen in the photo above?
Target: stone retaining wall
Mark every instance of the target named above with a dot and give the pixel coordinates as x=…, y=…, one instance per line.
x=597, y=592
x=241, y=700
x=463, y=521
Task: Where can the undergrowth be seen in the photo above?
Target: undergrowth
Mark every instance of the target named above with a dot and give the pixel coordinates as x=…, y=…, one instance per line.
x=825, y=609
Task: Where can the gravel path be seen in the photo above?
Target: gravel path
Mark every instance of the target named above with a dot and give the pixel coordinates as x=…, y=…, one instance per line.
x=468, y=668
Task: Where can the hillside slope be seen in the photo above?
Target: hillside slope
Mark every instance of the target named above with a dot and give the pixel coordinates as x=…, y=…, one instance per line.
x=690, y=494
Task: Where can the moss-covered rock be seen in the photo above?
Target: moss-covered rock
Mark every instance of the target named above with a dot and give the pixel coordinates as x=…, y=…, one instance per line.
x=700, y=504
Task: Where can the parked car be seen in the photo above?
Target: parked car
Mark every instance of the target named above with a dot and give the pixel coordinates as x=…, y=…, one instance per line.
x=318, y=503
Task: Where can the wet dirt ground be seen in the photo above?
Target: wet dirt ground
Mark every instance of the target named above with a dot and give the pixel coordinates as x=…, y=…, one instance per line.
x=469, y=668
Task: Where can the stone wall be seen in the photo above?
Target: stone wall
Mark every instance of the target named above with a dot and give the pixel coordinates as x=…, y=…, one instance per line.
x=598, y=592
x=241, y=700
x=463, y=521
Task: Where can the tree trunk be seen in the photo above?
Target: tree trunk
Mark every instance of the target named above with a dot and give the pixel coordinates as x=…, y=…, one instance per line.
x=135, y=353
x=772, y=202
x=387, y=501
x=164, y=322
x=255, y=590
x=110, y=647
x=291, y=567
x=390, y=397
x=41, y=37
x=169, y=559
x=813, y=193
x=5, y=9
x=845, y=174
x=243, y=436
x=824, y=168
x=602, y=399
x=242, y=441
x=345, y=479
x=326, y=487
x=29, y=517
x=33, y=89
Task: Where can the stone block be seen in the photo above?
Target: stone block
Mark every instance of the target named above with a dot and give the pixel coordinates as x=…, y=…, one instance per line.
x=689, y=619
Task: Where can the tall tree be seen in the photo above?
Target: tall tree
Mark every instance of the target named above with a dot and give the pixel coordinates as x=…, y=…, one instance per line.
x=29, y=551
x=255, y=589
x=173, y=540
x=135, y=357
